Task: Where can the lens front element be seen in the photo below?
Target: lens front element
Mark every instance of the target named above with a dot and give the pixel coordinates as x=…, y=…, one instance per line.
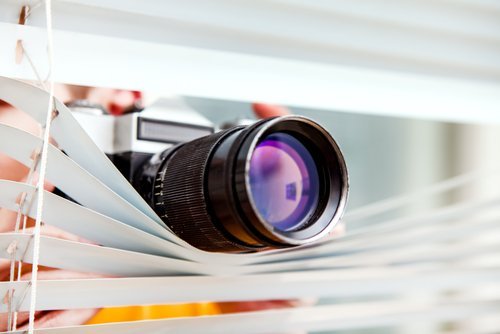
x=284, y=181
x=277, y=183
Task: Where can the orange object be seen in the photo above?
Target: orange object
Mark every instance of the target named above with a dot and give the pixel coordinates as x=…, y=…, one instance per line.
x=134, y=313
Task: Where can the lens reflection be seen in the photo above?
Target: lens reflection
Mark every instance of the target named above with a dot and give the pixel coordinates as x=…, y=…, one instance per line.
x=284, y=181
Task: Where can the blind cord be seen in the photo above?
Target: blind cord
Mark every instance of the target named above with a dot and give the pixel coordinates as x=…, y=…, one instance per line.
x=51, y=112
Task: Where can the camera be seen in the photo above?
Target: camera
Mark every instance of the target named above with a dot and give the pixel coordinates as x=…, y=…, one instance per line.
x=275, y=183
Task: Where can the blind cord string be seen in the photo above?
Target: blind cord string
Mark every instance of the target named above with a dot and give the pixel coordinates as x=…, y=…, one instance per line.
x=25, y=200
x=51, y=113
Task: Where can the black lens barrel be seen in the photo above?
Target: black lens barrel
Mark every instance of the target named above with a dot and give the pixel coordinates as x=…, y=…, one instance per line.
x=201, y=188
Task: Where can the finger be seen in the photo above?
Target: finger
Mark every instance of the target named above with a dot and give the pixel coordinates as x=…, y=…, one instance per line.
x=58, y=274
x=4, y=270
x=67, y=93
x=54, y=232
x=53, y=317
x=249, y=306
x=22, y=319
x=114, y=100
x=123, y=100
x=11, y=169
x=63, y=318
x=19, y=119
x=7, y=220
x=263, y=110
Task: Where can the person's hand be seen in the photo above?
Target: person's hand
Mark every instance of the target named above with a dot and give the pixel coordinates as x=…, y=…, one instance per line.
x=47, y=318
x=56, y=318
x=116, y=101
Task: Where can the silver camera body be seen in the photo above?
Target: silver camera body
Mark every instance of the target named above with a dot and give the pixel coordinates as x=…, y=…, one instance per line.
x=132, y=138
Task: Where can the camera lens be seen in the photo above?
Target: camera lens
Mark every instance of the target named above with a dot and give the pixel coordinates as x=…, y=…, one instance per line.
x=277, y=183
x=284, y=181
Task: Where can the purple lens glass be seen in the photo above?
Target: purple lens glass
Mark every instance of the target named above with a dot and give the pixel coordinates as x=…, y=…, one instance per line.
x=284, y=181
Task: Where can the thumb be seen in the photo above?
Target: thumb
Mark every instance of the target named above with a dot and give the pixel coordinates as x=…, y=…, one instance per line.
x=263, y=110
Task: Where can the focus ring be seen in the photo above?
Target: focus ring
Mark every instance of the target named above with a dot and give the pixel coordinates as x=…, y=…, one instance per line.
x=180, y=197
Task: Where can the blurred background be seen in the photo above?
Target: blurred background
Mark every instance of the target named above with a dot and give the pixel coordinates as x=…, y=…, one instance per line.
x=391, y=156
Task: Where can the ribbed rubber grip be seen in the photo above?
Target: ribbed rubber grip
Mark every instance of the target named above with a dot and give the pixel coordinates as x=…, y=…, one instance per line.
x=180, y=197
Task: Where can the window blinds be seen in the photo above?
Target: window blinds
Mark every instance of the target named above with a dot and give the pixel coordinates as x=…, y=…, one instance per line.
x=366, y=275
x=434, y=60
x=293, y=52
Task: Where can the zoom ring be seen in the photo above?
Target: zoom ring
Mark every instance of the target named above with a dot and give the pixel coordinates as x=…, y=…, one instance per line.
x=180, y=197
